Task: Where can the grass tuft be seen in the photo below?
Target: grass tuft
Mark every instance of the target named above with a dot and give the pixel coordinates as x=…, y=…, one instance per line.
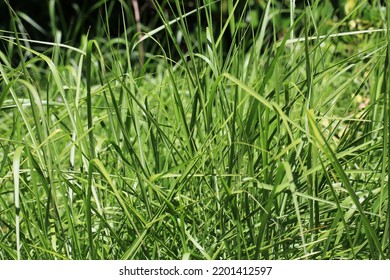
x=260, y=132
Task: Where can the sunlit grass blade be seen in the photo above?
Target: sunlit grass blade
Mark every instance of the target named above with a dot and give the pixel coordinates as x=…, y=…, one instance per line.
x=16, y=174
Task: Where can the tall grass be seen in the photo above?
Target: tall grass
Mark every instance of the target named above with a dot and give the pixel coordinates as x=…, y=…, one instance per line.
x=271, y=144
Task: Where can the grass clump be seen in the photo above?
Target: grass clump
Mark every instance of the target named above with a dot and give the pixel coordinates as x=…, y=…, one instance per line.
x=265, y=137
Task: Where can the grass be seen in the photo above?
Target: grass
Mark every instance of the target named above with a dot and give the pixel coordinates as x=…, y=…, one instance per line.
x=270, y=145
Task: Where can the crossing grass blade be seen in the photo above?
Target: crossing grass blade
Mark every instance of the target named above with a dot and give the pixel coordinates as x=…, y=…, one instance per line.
x=322, y=144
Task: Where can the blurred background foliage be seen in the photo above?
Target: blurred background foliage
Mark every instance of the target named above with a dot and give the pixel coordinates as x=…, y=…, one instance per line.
x=69, y=21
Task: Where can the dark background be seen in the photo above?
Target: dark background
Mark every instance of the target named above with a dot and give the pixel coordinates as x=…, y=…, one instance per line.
x=75, y=18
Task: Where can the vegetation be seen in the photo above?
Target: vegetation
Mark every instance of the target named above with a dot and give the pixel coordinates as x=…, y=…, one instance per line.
x=237, y=131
